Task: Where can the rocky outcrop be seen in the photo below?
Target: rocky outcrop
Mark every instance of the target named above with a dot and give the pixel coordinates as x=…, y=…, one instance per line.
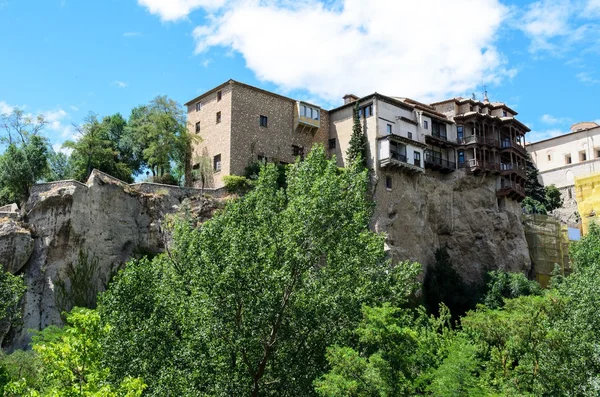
x=423, y=212
x=106, y=218
x=16, y=245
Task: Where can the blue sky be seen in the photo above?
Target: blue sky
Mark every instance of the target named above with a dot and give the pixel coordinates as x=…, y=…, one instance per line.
x=66, y=58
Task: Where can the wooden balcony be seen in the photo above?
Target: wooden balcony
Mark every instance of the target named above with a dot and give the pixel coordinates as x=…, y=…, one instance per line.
x=508, y=145
x=511, y=190
x=478, y=140
x=440, y=140
x=507, y=169
x=439, y=164
x=400, y=162
x=476, y=166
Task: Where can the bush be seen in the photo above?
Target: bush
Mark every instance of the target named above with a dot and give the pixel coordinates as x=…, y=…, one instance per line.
x=166, y=179
x=237, y=184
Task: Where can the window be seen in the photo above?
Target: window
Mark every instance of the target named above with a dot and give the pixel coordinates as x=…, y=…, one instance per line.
x=298, y=151
x=217, y=163
x=418, y=159
x=198, y=106
x=366, y=111
x=471, y=108
x=196, y=166
x=388, y=182
x=218, y=117
x=461, y=157
x=568, y=159
x=263, y=121
x=425, y=124
x=409, y=134
x=549, y=158
x=598, y=153
x=504, y=114
x=316, y=114
x=389, y=128
x=198, y=127
x=332, y=144
x=582, y=156
x=219, y=96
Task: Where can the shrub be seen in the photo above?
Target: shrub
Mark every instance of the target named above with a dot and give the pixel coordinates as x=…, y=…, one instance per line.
x=237, y=184
x=166, y=179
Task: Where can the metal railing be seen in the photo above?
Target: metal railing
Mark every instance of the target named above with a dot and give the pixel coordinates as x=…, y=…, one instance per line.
x=398, y=156
x=430, y=159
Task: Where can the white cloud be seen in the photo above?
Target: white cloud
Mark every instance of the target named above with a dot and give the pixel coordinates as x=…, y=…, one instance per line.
x=58, y=148
x=535, y=136
x=592, y=8
x=119, y=84
x=549, y=119
x=5, y=108
x=359, y=47
x=132, y=34
x=172, y=10
x=545, y=20
x=587, y=78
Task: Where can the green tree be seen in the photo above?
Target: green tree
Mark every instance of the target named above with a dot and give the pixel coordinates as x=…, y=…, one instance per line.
x=95, y=148
x=25, y=160
x=531, y=206
x=533, y=187
x=276, y=276
x=59, y=167
x=357, y=147
x=505, y=285
x=70, y=361
x=554, y=199
x=159, y=130
x=397, y=350
x=12, y=289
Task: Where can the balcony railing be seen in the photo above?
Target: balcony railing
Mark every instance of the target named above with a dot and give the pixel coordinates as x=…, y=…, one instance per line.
x=433, y=161
x=508, y=144
x=398, y=156
x=479, y=165
x=516, y=168
x=439, y=136
x=509, y=186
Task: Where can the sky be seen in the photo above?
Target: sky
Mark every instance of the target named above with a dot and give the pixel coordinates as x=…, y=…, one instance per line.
x=66, y=58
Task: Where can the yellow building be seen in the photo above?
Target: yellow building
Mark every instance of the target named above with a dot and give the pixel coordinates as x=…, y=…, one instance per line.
x=587, y=190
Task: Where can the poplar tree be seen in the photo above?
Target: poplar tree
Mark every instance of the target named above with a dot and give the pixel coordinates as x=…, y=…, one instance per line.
x=357, y=149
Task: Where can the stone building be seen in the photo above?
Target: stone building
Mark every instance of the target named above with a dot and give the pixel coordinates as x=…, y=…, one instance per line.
x=446, y=174
x=238, y=123
x=563, y=158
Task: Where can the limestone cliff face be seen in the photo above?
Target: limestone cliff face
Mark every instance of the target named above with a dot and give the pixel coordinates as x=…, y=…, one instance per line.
x=106, y=218
x=422, y=212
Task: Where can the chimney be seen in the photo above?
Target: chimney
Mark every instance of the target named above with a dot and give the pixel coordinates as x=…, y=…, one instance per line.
x=349, y=98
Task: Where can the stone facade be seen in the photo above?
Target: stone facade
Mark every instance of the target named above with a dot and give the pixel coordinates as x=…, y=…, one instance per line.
x=254, y=124
x=563, y=158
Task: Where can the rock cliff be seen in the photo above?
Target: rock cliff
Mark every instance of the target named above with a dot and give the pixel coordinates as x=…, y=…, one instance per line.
x=106, y=218
x=425, y=211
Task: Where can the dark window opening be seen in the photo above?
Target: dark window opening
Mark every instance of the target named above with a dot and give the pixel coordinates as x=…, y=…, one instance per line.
x=218, y=117
x=298, y=151
x=409, y=134
x=198, y=127
x=217, y=162
x=425, y=124
x=332, y=143
x=366, y=111
x=388, y=182
x=417, y=159
x=219, y=95
x=389, y=129
x=263, y=121
x=198, y=106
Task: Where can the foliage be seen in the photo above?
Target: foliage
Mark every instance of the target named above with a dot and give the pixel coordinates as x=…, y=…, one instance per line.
x=21, y=166
x=159, y=130
x=505, y=285
x=237, y=184
x=12, y=289
x=203, y=171
x=277, y=275
x=252, y=171
x=98, y=147
x=165, y=179
x=533, y=188
x=531, y=206
x=22, y=365
x=59, y=167
x=357, y=147
x=81, y=286
x=396, y=350
x=70, y=361
x=443, y=284
x=554, y=199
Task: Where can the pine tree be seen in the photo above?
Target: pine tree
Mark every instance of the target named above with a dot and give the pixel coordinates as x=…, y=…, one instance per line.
x=534, y=188
x=358, y=141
